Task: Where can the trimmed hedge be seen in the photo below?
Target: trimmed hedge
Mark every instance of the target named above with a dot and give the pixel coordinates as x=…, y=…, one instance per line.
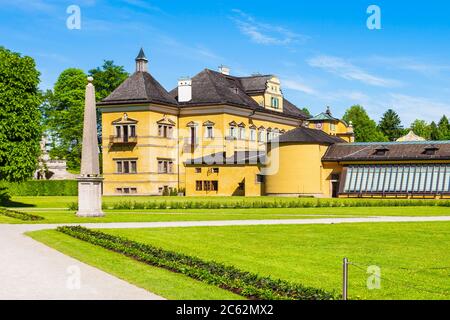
x=247, y=284
x=42, y=188
x=295, y=203
x=20, y=215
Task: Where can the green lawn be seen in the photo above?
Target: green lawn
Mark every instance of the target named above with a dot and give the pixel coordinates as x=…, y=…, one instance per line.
x=160, y=281
x=312, y=254
x=66, y=216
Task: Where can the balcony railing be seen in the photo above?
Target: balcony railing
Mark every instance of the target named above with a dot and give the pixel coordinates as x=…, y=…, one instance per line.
x=123, y=140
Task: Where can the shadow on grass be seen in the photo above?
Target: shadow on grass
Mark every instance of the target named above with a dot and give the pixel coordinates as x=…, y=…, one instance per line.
x=15, y=204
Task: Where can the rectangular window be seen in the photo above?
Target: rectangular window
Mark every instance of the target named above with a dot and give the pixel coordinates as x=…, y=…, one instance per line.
x=252, y=135
x=165, y=131
x=118, y=131
x=165, y=166
x=241, y=133
x=260, y=135
x=126, y=166
x=198, y=185
x=233, y=133
x=215, y=170
x=209, y=134
x=198, y=170
x=132, y=131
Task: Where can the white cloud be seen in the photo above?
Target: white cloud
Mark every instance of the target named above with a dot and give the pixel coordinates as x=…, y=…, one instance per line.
x=410, y=64
x=347, y=70
x=298, y=85
x=413, y=107
x=264, y=33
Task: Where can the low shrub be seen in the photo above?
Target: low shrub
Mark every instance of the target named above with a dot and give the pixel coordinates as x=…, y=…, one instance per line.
x=42, y=188
x=295, y=203
x=247, y=284
x=20, y=215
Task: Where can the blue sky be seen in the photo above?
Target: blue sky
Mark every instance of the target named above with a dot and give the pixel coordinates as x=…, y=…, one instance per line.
x=322, y=50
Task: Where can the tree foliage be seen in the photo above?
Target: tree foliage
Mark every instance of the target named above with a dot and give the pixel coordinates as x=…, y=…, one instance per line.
x=64, y=108
x=421, y=128
x=20, y=118
x=365, y=129
x=390, y=125
x=107, y=78
x=444, y=128
x=64, y=116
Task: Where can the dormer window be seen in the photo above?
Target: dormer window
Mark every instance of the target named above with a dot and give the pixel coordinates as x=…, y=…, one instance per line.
x=430, y=150
x=381, y=151
x=275, y=103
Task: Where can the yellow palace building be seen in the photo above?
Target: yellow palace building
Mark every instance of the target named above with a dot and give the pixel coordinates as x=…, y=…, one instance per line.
x=221, y=135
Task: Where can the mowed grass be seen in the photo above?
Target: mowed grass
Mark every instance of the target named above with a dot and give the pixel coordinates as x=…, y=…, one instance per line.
x=67, y=216
x=414, y=257
x=160, y=281
x=54, y=210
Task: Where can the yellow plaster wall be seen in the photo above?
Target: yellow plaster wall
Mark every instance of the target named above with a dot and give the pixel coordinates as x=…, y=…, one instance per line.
x=148, y=149
x=300, y=171
x=228, y=179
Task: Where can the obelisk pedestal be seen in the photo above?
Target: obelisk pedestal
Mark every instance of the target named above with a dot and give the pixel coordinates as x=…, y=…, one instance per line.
x=90, y=181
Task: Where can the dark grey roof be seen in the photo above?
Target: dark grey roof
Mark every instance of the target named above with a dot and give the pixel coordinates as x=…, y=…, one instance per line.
x=395, y=151
x=238, y=158
x=140, y=87
x=211, y=87
x=290, y=109
x=307, y=135
x=255, y=84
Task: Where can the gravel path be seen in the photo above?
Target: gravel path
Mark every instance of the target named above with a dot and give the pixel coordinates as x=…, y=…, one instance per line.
x=31, y=270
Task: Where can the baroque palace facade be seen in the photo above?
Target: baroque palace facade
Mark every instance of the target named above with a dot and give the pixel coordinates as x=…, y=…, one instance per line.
x=217, y=134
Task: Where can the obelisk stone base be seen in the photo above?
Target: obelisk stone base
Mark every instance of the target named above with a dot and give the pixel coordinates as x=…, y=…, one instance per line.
x=90, y=197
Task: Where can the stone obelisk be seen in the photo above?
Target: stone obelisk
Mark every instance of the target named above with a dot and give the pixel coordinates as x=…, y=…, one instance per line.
x=90, y=181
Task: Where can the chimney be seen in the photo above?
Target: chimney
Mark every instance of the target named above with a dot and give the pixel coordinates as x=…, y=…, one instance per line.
x=184, y=89
x=224, y=70
x=141, y=62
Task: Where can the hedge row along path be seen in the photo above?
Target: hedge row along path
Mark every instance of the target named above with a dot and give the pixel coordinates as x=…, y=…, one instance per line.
x=31, y=270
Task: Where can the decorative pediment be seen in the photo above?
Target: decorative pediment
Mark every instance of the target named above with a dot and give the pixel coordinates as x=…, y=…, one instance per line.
x=276, y=130
x=208, y=123
x=191, y=124
x=125, y=120
x=261, y=128
x=166, y=121
x=269, y=129
x=252, y=126
x=233, y=124
x=241, y=125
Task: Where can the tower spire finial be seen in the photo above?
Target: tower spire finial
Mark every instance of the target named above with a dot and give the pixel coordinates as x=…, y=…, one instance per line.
x=141, y=62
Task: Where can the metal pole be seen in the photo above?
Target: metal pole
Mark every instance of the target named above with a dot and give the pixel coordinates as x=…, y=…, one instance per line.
x=344, y=278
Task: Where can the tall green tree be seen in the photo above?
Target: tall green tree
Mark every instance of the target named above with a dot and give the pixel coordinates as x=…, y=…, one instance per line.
x=107, y=78
x=444, y=128
x=365, y=129
x=64, y=110
x=434, y=131
x=20, y=118
x=390, y=125
x=421, y=128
